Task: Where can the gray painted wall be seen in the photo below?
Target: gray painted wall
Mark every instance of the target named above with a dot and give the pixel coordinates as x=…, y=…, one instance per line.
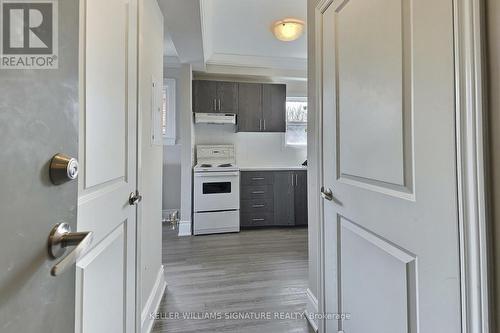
x=177, y=180
x=38, y=118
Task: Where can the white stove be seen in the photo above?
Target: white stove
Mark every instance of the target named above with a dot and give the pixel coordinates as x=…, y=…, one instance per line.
x=216, y=190
x=207, y=167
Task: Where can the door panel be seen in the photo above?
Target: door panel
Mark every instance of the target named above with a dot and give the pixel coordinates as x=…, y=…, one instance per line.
x=90, y=275
x=38, y=119
x=108, y=141
x=374, y=93
x=373, y=269
x=389, y=160
x=105, y=58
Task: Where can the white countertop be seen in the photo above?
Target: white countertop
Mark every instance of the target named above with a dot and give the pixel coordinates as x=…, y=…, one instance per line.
x=273, y=168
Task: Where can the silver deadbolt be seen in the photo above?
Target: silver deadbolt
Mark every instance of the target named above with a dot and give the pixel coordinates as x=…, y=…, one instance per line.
x=63, y=169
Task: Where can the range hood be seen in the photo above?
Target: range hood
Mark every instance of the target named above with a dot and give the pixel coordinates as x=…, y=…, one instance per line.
x=215, y=118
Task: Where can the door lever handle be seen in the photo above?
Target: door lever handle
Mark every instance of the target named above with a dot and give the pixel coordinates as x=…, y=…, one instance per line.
x=326, y=194
x=60, y=238
x=134, y=198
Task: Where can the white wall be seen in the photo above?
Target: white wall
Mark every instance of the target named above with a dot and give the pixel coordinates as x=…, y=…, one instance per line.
x=172, y=177
x=249, y=146
x=150, y=156
x=252, y=149
x=178, y=160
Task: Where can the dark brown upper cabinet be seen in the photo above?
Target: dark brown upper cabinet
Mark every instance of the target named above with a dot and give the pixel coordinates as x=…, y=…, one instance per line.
x=249, y=107
x=274, y=107
x=227, y=97
x=261, y=107
x=215, y=96
x=204, y=96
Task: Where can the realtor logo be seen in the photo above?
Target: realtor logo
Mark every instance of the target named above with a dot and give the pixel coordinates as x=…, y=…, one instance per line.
x=29, y=38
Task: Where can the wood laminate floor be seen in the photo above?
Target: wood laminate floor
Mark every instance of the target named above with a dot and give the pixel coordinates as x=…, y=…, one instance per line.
x=257, y=273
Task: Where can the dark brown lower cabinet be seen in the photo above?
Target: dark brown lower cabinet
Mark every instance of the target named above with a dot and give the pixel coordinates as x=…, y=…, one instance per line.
x=283, y=198
x=300, y=198
x=273, y=198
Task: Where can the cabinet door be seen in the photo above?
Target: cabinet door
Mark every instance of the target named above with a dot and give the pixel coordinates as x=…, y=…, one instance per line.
x=249, y=107
x=283, y=198
x=204, y=96
x=274, y=107
x=300, y=192
x=227, y=97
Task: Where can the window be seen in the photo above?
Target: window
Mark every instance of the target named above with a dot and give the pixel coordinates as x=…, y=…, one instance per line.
x=168, y=112
x=296, y=121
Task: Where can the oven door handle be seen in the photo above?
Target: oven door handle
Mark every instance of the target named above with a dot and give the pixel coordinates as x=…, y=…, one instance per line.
x=216, y=174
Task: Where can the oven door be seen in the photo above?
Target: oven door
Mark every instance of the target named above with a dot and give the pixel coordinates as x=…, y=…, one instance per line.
x=216, y=191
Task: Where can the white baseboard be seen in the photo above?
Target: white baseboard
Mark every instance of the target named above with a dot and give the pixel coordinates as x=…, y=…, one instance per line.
x=311, y=309
x=153, y=302
x=184, y=228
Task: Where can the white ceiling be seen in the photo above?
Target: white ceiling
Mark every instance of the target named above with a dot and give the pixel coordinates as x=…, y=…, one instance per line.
x=183, y=32
x=243, y=27
x=233, y=33
x=169, y=46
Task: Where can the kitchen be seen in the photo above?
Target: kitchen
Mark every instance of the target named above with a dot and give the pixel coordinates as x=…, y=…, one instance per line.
x=249, y=211
x=235, y=166
x=241, y=132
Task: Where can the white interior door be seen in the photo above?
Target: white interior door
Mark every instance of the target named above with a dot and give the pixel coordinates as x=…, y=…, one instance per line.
x=105, y=277
x=391, y=226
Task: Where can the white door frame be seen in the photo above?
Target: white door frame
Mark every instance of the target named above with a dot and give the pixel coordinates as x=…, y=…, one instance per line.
x=470, y=146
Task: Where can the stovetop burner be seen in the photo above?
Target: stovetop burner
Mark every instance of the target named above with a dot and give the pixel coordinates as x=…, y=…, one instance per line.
x=205, y=165
x=225, y=165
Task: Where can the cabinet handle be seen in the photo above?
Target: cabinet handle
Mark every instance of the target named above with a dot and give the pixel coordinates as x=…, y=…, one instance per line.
x=260, y=124
x=258, y=220
x=219, y=104
x=258, y=178
x=264, y=124
x=296, y=179
x=215, y=105
x=258, y=206
x=258, y=192
x=292, y=179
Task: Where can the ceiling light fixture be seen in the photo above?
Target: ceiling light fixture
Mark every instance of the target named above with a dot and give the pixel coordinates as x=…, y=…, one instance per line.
x=288, y=29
